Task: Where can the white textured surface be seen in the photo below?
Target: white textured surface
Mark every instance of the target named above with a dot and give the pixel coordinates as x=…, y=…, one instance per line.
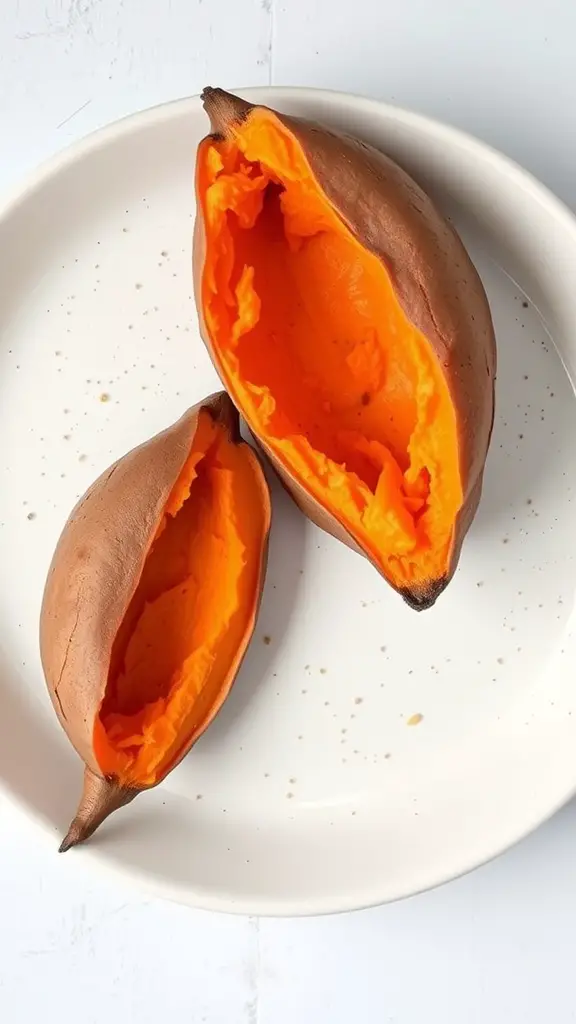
x=495, y=946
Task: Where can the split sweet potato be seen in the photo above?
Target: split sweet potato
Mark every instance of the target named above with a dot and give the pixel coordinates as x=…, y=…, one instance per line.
x=150, y=603
x=351, y=330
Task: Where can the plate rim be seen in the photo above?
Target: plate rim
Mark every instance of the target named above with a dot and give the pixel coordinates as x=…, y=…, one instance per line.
x=67, y=155
x=16, y=195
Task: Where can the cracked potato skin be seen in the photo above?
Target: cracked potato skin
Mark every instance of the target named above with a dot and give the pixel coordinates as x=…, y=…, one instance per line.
x=96, y=565
x=100, y=563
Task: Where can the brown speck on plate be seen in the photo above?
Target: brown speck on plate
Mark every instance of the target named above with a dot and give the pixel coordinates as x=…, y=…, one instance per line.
x=358, y=700
x=266, y=639
x=138, y=285
x=31, y=515
x=323, y=671
x=104, y=397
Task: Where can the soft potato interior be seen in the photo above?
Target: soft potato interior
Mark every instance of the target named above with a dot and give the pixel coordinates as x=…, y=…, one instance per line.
x=317, y=352
x=175, y=655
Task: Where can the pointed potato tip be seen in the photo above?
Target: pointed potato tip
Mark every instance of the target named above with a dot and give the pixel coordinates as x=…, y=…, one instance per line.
x=224, y=109
x=72, y=838
x=100, y=797
x=423, y=597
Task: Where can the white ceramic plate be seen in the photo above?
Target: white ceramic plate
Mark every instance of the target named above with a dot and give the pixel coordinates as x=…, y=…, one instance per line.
x=312, y=791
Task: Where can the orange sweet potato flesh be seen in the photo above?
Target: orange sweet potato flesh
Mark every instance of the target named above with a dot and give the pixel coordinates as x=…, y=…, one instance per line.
x=353, y=333
x=151, y=601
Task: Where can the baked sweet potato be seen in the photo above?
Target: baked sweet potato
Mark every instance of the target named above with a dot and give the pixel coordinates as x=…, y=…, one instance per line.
x=351, y=330
x=150, y=603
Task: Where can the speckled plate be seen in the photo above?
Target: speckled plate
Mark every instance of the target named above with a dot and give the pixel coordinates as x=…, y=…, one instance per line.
x=366, y=752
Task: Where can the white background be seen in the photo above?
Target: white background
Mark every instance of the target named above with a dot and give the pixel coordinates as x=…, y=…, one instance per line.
x=498, y=946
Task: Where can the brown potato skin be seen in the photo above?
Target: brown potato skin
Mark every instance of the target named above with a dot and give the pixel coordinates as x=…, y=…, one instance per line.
x=97, y=565
x=435, y=281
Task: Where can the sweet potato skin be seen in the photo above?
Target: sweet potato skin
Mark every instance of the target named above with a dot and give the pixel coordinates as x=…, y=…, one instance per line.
x=97, y=565
x=94, y=573
x=434, y=280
